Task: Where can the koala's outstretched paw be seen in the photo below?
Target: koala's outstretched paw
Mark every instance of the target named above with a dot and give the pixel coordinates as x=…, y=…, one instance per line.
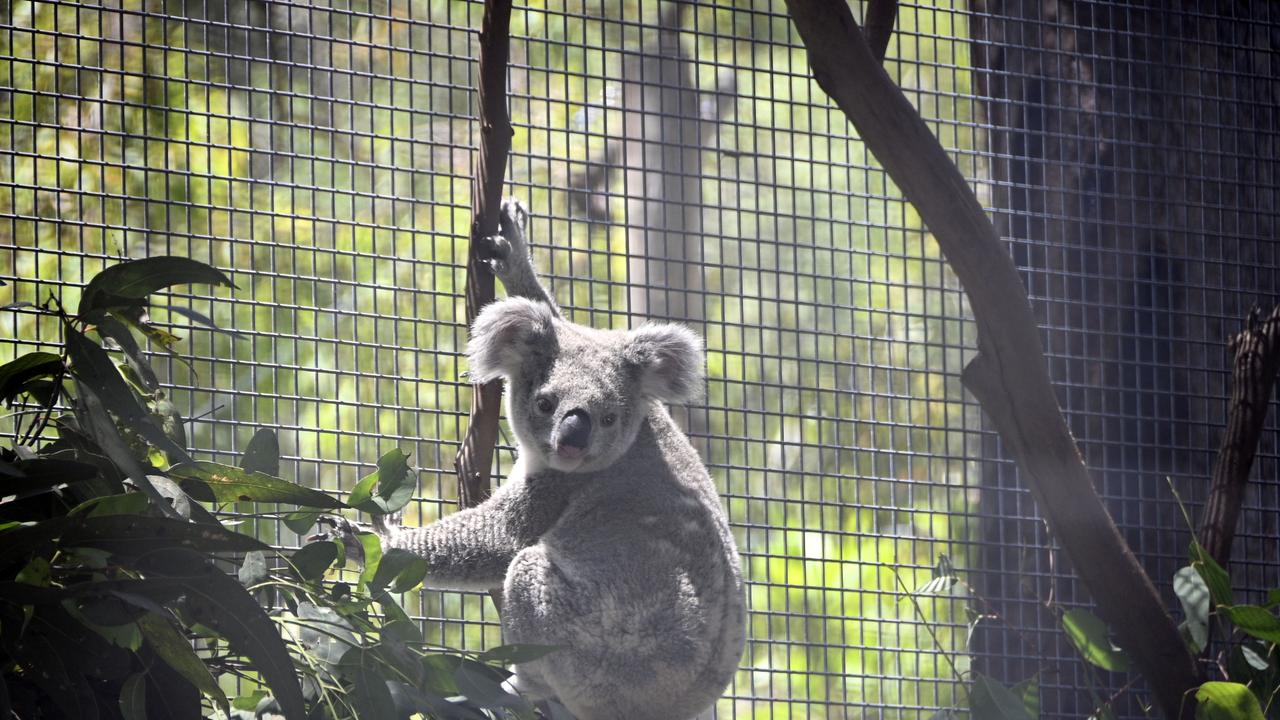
x=343, y=530
x=514, y=219
x=508, y=251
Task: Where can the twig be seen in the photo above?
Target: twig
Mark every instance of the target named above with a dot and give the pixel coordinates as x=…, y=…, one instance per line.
x=1009, y=376
x=475, y=457
x=1257, y=361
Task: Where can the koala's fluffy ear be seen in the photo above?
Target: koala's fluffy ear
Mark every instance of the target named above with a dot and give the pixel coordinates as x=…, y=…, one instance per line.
x=504, y=335
x=668, y=360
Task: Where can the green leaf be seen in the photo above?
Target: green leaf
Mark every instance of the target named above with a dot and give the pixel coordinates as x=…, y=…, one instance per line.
x=1029, y=691
x=250, y=701
x=402, y=566
x=1089, y=634
x=93, y=368
x=475, y=682
x=369, y=690
x=1215, y=577
x=516, y=653
x=254, y=569
x=300, y=521
x=372, y=547
x=1193, y=593
x=312, y=561
x=129, y=283
x=130, y=503
x=172, y=647
x=990, y=700
x=262, y=455
x=395, y=486
x=43, y=473
x=216, y=600
x=1255, y=621
x=215, y=482
x=136, y=535
x=1227, y=701
x=110, y=327
x=15, y=374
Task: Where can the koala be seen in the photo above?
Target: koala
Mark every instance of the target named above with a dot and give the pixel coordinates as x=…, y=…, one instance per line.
x=608, y=538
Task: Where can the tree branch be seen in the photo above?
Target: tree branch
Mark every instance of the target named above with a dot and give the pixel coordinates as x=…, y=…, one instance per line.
x=1257, y=361
x=881, y=16
x=1009, y=376
x=475, y=457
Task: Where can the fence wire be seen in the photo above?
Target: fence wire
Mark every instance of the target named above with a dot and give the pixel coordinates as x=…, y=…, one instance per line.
x=681, y=165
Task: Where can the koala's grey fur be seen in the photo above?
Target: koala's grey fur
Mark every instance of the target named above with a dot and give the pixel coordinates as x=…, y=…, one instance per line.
x=618, y=551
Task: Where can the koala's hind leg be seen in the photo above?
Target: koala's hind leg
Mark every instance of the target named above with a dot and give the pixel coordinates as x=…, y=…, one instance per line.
x=543, y=606
x=510, y=257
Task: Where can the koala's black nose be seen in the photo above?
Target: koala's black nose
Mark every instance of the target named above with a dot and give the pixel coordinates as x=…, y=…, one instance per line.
x=575, y=430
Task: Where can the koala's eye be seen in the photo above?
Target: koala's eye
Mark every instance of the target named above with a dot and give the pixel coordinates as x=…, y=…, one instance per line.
x=546, y=404
x=608, y=419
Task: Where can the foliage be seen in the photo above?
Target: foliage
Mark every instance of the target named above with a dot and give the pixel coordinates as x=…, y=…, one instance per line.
x=1245, y=652
x=121, y=594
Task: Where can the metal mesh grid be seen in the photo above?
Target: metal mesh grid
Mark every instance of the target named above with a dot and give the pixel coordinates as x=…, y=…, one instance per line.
x=681, y=165
x=1134, y=166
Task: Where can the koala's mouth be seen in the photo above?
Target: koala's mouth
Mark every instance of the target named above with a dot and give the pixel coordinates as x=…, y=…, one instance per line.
x=567, y=458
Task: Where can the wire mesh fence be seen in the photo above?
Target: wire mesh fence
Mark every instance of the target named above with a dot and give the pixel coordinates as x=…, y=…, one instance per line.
x=681, y=165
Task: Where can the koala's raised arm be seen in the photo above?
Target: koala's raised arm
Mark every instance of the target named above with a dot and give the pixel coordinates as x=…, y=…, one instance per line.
x=511, y=261
x=471, y=549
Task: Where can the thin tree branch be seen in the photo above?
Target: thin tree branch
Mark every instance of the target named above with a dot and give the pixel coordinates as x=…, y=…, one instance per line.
x=1009, y=376
x=1257, y=361
x=881, y=16
x=475, y=457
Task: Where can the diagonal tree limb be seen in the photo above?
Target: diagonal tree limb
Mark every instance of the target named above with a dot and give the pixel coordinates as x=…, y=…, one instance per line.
x=475, y=457
x=881, y=16
x=1009, y=375
x=1257, y=361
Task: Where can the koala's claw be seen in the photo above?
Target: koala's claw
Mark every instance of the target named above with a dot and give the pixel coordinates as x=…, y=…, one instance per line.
x=344, y=531
x=514, y=217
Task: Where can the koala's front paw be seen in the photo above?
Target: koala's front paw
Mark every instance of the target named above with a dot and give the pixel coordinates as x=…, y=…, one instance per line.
x=344, y=531
x=508, y=252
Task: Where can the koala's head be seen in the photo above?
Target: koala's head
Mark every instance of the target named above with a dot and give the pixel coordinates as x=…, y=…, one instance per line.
x=576, y=397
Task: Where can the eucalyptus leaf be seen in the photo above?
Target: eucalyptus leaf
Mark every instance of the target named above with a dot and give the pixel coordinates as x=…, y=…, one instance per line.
x=1227, y=701
x=172, y=647
x=313, y=560
x=254, y=569
x=110, y=327
x=17, y=373
x=262, y=454
x=516, y=653
x=1090, y=636
x=129, y=283
x=369, y=690
x=1193, y=593
x=215, y=482
x=94, y=369
x=1215, y=577
x=133, y=697
x=388, y=489
x=990, y=700
x=139, y=535
x=214, y=599
x=401, y=566
x=199, y=317
x=301, y=521
x=1253, y=620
